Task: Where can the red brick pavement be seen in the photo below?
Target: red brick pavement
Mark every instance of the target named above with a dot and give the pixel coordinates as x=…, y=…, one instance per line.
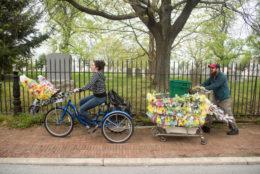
x=37, y=143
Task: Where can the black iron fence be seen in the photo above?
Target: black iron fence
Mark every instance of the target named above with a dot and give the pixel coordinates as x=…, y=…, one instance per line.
x=133, y=80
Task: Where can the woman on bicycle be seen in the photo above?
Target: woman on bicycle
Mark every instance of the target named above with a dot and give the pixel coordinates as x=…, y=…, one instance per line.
x=98, y=87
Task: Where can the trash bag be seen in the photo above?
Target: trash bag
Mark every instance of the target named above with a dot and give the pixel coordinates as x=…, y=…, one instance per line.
x=114, y=98
x=116, y=103
x=123, y=107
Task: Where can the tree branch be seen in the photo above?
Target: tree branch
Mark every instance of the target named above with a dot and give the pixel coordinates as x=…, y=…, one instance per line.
x=213, y=2
x=178, y=4
x=181, y=20
x=100, y=13
x=136, y=38
x=145, y=12
x=247, y=18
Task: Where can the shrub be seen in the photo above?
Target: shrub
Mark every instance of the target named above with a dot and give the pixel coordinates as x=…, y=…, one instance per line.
x=22, y=121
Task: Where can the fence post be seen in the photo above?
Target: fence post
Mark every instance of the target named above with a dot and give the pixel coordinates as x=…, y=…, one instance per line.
x=16, y=94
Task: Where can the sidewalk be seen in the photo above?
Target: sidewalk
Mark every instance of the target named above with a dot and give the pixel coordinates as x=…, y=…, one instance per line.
x=37, y=143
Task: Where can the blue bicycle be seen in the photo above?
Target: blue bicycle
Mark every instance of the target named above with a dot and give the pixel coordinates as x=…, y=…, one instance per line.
x=116, y=126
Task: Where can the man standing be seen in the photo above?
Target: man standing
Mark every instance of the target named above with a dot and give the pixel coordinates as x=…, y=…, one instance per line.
x=219, y=84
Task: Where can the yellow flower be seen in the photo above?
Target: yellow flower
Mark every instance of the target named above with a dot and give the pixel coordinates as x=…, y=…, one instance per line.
x=151, y=108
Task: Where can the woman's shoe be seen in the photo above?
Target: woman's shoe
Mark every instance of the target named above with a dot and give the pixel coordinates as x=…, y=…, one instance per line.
x=93, y=129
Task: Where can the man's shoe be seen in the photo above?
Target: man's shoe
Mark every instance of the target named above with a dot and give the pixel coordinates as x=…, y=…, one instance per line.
x=206, y=129
x=233, y=132
x=92, y=129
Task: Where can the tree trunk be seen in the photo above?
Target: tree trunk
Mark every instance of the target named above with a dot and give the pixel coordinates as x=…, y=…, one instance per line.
x=152, y=52
x=66, y=42
x=196, y=72
x=152, y=57
x=162, y=64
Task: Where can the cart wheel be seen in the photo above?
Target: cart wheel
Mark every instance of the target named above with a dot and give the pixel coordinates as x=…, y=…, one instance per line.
x=161, y=130
x=154, y=131
x=163, y=139
x=203, y=140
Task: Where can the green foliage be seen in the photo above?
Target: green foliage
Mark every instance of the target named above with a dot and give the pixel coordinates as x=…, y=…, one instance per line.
x=221, y=47
x=257, y=121
x=64, y=18
x=41, y=61
x=244, y=62
x=142, y=121
x=20, y=121
x=17, y=31
x=114, y=49
x=89, y=37
x=253, y=42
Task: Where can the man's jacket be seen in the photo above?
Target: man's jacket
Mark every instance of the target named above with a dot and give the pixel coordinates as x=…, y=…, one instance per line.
x=218, y=85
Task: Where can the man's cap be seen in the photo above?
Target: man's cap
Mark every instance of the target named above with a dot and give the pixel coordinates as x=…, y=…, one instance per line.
x=214, y=65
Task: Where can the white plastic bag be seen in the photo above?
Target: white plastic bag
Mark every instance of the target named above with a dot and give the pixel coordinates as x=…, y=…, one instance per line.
x=23, y=78
x=46, y=84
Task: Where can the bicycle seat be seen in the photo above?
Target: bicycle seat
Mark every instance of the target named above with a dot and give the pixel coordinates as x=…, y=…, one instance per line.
x=103, y=104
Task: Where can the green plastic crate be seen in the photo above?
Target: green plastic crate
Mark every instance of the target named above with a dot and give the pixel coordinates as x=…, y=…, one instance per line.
x=179, y=87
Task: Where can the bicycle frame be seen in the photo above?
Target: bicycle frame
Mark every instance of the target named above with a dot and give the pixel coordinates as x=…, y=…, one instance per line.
x=69, y=104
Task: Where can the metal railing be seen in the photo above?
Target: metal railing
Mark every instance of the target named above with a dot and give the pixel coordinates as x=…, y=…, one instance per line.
x=133, y=80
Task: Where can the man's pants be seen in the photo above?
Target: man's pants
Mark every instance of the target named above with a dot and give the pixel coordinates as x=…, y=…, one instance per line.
x=225, y=105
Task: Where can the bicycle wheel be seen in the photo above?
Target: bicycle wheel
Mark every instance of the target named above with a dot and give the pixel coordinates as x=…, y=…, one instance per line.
x=57, y=127
x=117, y=128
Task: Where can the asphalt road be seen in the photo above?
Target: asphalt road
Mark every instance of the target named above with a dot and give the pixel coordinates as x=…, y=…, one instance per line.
x=209, y=169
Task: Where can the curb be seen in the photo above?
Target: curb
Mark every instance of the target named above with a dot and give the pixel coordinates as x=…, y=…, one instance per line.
x=54, y=161
x=133, y=161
